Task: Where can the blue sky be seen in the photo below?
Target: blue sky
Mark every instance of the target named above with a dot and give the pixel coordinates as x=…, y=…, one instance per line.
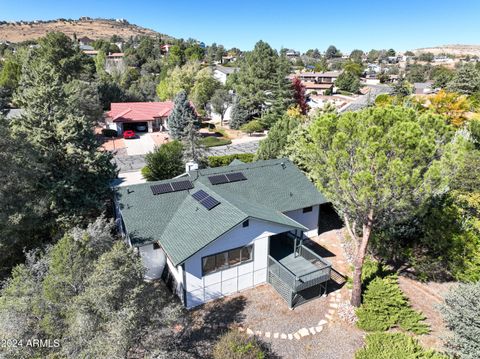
x=347, y=24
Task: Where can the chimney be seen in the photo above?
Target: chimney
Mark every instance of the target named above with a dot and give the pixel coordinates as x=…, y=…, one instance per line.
x=191, y=166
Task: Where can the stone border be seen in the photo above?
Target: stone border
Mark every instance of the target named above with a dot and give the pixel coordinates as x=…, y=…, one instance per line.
x=334, y=301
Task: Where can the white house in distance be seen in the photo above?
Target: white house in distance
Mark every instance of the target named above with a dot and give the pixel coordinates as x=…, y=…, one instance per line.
x=217, y=231
x=221, y=73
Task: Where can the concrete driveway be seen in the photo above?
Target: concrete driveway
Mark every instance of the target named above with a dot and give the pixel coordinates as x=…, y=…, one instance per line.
x=140, y=145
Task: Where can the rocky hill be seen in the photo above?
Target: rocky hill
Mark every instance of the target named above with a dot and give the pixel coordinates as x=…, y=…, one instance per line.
x=457, y=50
x=93, y=28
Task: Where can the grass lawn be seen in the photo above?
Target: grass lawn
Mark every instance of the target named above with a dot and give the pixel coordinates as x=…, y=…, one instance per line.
x=212, y=141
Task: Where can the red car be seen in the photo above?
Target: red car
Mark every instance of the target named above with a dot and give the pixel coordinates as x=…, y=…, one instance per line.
x=128, y=134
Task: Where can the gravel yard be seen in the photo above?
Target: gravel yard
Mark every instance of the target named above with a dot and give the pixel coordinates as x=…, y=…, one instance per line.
x=311, y=330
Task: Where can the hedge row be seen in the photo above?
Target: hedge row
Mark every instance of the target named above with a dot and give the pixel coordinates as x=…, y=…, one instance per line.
x=220, y=161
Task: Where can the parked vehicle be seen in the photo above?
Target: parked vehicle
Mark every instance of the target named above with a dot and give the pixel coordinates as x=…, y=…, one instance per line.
x=128, y=134
x=141, y=128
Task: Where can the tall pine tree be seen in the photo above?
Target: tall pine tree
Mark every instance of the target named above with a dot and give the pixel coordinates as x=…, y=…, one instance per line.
x=239, y=114
x=261, y=81
x=77, y=174
x=182, y=114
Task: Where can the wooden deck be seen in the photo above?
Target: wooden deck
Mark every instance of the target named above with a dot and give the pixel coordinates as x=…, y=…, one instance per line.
x=294, y=274
x=298, y=265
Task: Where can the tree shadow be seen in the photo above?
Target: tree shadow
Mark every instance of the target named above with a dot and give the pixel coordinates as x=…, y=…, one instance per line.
x=318, y=249
x=204, y=325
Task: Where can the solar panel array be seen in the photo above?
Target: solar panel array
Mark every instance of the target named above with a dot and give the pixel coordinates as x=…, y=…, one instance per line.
x=205, y=199
x=171, y=187
x=227, y=178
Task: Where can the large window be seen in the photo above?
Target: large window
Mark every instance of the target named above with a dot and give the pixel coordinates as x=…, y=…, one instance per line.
x=227, y=259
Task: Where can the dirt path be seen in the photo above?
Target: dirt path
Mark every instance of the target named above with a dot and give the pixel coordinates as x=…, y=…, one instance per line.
x=427, y=297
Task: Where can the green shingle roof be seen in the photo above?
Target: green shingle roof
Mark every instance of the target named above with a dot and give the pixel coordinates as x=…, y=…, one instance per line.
x=182, y=226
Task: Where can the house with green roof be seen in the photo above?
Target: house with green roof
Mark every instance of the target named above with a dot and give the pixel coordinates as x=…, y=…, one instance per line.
x=216, y=231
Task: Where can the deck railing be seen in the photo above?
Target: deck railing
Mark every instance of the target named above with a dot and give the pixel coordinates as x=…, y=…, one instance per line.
x=282, y=272
x=297, y=283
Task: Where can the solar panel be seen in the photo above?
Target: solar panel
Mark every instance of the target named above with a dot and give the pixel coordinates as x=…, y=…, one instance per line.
x=236, y=176
x=164, y=188
x=209, y=203
x=200, y=195
x=218, y=179
x=181, y=185
x=161, y=188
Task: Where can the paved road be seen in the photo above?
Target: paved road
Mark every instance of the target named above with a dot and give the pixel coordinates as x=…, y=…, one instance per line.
x=126, y=163
x=368, y=99
x=128, y=178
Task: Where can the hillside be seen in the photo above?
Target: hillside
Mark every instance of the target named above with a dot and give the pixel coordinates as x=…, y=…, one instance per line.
x=458, y=50
x=92, y=28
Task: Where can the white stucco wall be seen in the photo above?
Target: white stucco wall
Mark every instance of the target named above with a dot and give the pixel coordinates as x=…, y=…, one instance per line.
x=114, y=126
x=177, y=273
x=153, y=260
x=309, y=219
x=220, y=76
x=201, y=289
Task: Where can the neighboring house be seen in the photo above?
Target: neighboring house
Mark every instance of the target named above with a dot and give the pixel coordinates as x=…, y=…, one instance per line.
x=318, y=82
x=114, y=62
x=373, y=68
x=221, y=73
x=228, y=58
x=292, y=54
x=139, y=116
x=423, y=88
x=86, y=48
x=165, y=49
x=328, y=77
x=85, y=41
x=217, y=231
x=312, y=87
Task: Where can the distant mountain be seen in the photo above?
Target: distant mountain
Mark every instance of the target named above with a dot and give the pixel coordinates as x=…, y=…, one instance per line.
x=457, y=49
x=93, y=28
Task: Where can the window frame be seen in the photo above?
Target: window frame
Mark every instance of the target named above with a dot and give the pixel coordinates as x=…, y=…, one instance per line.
x=228, y=266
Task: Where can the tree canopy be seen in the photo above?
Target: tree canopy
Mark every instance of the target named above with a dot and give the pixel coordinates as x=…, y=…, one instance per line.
x=165, y=162
x=376, y=166
x=182, y=114
x=262, y=79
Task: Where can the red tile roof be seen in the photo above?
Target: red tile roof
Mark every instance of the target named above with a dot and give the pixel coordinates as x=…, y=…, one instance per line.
x=313, y=85
x=139, y=111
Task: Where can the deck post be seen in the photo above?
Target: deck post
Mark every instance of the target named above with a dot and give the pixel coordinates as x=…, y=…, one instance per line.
x=295, y=245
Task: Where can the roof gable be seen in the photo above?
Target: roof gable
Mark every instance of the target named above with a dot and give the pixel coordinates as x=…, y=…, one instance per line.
x=183, y=226
x=139, y=111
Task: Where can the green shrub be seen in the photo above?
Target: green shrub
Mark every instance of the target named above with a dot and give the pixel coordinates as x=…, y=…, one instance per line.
x=212, y=141
x=252, y=127
x=107, y=132
x=220, y=161
x=394, y=346
x=385, y=306
x=236, y=345
x=164, y=162
x=460, y=313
